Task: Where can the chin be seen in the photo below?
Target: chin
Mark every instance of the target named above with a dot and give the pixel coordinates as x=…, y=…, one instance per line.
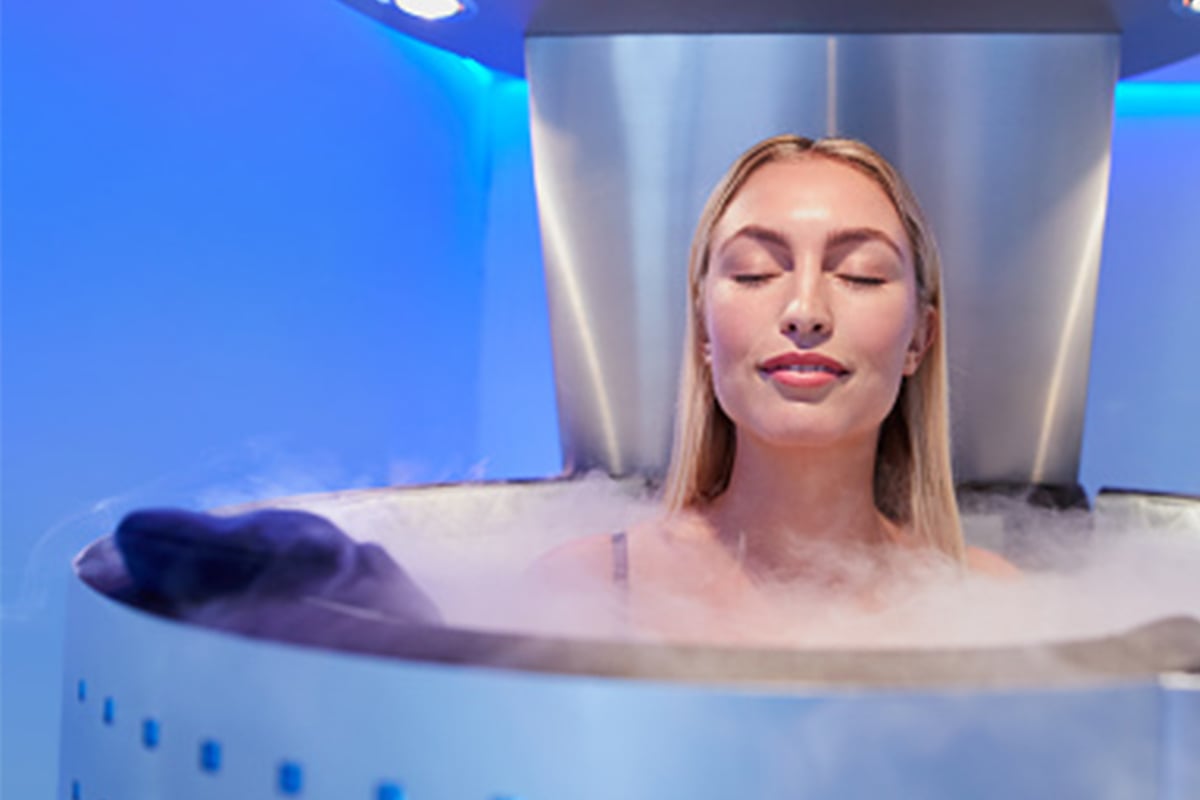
x=805, y=436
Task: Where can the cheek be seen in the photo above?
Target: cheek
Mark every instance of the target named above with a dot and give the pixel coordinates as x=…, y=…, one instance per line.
x=729, y=326
x=885, y=333
x=730, y=331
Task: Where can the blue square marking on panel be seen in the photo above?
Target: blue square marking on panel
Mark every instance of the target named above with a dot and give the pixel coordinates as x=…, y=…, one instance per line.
x=150, y=733
x=389, y=791
x=81, y=690
x=76, y=791
x=210, y=756
x=110, y=710
x=291, y=778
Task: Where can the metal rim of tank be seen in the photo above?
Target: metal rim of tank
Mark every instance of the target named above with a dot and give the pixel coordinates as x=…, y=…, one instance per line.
x=1169, y=645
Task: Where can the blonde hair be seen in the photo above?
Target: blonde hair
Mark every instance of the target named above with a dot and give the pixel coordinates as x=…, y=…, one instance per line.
x=913, y=485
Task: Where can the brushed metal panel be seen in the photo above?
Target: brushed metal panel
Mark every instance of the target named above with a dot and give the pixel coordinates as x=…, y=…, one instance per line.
x=1006, y=141
x=629, y=134
x=1004, y=137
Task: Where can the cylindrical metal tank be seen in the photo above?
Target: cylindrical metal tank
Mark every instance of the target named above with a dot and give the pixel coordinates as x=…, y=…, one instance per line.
x=156, y=708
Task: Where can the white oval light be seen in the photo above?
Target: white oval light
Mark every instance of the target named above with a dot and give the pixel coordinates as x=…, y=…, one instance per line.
x=431, y=9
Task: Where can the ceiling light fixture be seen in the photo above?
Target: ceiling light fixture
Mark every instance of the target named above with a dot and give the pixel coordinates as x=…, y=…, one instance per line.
x=435, y=9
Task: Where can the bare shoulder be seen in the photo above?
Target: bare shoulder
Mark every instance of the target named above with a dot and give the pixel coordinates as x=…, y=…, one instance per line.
x=669, y=553
x=591, y=557
x=989, y=564
x=588, y=557
x=573, y=587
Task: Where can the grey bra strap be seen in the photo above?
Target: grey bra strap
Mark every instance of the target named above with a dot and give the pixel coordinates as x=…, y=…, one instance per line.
x=620, y=559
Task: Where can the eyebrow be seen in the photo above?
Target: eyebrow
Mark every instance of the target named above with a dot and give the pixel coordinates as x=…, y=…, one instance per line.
x=759, y=234
x=838, y=238
x=852, y=236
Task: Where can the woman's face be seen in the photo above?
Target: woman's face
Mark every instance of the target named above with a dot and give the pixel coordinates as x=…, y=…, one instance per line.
x=810, y=305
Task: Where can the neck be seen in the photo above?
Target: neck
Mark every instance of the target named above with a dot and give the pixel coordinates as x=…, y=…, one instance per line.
x=781, y=503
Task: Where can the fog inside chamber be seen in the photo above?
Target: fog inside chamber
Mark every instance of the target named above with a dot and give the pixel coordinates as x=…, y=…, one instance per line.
x=1085, y=574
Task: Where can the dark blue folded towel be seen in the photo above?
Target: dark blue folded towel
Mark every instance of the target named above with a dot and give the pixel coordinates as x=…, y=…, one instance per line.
x=263, y=572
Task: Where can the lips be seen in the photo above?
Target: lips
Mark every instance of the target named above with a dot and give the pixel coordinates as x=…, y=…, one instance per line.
x=804, y=363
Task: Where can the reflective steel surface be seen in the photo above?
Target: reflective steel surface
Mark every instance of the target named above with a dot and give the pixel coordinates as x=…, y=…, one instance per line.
x=1005, y=139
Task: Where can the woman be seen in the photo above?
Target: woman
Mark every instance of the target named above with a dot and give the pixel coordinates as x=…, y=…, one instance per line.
x=811, y=443
x=810, y=472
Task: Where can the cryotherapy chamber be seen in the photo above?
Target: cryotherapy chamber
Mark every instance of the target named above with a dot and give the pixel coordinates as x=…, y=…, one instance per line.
x=1001, y=120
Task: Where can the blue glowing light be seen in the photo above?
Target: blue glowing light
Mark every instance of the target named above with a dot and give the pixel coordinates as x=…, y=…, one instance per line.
x=151, y=733
x=291, y=778
x=389, y=791
x=1157, y=99
x=210, y=756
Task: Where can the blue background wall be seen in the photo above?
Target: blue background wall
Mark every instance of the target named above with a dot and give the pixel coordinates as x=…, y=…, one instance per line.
x=1142, y=428
x=244, y=254
x=257, y=249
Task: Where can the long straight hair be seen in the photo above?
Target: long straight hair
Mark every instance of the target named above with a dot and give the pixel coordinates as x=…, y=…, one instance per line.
x=913, y=485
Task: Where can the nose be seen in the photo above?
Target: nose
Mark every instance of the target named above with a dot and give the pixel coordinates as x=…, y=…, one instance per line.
x=807, y=317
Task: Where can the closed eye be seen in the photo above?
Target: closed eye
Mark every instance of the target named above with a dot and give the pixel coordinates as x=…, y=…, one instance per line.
x=863, y=280
x=752, y=279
